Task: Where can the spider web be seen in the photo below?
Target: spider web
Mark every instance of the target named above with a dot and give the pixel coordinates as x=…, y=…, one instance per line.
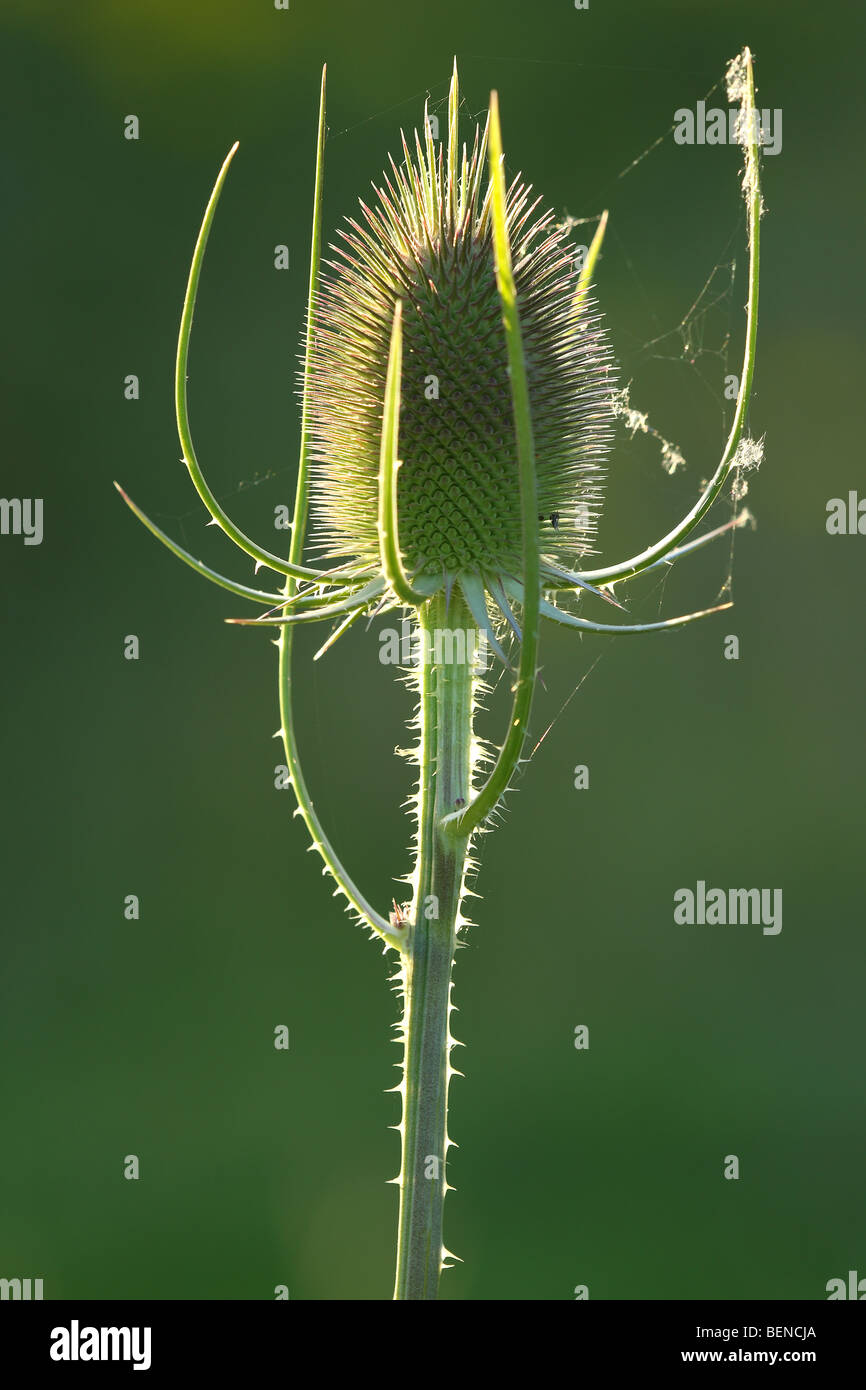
x=701, y=342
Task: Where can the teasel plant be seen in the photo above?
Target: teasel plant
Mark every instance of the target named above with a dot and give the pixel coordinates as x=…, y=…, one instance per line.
x=467, y=509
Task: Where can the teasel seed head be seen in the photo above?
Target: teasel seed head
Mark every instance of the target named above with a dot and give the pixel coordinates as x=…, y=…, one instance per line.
x=427, y=242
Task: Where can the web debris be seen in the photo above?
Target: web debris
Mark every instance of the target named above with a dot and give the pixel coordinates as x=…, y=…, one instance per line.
x=748, y=456
x=638, y=420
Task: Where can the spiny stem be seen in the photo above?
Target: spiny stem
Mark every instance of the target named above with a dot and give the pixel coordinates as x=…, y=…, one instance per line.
x=321, y=843
x=299, y=525
x=447, y=693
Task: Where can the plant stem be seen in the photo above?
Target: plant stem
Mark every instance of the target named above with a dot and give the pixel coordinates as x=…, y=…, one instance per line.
x=446, y=709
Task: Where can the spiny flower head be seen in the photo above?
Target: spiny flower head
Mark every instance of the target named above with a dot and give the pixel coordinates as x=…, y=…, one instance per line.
x=456, y=382
x=427, y=242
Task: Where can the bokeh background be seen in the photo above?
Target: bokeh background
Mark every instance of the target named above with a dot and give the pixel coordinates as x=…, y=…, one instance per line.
x=155, y=1037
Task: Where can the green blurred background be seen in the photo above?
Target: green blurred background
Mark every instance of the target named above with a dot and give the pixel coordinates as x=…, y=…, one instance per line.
x=155, y=777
